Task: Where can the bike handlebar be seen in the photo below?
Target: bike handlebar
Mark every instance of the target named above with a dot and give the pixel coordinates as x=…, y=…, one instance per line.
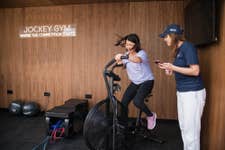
x=124, y=57
x=110, y=63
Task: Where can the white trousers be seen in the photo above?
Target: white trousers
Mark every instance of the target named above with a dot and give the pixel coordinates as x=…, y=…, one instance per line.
x=190, y=107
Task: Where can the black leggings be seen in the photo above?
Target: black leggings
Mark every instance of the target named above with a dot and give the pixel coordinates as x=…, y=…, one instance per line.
x=138, y=93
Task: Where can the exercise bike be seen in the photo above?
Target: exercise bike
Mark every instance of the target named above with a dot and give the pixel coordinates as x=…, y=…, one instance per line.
x=106, y=125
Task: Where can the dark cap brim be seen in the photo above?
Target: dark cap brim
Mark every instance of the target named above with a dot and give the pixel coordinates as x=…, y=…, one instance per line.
x=162, y=35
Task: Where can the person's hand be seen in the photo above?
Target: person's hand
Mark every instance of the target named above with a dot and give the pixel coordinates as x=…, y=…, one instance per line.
x=168, y=72
x=118, y=57
x=167, y=67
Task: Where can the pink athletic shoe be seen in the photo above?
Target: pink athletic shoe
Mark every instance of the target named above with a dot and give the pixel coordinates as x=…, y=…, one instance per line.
x=151, y=121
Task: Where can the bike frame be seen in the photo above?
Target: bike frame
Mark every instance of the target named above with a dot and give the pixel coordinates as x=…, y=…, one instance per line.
x=110, y=77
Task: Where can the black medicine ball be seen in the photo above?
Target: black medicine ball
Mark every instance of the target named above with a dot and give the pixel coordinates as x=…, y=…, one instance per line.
x=31, y=109
x=15, y=107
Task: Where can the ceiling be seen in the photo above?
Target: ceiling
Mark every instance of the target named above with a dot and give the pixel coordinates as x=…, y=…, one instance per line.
x=35, y=3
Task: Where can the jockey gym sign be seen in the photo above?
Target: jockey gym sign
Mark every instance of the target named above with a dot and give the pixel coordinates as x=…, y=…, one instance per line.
x=48, y=31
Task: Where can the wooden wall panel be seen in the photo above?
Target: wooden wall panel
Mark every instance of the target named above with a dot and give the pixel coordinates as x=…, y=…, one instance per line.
x=97, y=29
x=47, y=61
x=11, y=60
x=212, y=60
x=72, y=67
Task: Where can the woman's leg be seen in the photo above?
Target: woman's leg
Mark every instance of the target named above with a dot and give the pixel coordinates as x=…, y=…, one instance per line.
x=129, y=94
x=190, y=107
x=143, y=91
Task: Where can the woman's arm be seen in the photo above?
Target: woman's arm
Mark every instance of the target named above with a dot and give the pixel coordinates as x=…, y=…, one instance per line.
x=192, y=70
x=135, y=58
x=132, y=57
x=118, y=58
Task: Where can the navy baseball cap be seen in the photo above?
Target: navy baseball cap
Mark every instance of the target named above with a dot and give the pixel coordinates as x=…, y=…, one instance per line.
x=172, y=28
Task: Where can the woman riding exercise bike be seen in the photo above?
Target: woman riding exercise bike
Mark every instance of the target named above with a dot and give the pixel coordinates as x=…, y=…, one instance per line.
x=105, y=127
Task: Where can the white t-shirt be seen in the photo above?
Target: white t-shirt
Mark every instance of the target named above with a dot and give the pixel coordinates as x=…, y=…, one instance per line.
x=139, y=72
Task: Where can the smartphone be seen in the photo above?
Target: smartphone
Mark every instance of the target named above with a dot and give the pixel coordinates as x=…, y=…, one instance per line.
x=157, y=61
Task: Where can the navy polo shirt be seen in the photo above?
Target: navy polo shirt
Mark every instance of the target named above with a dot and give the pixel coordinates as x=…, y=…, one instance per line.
x=187, y=55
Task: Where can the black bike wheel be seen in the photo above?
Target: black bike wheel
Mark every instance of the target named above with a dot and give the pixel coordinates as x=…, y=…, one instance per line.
x=98, y=125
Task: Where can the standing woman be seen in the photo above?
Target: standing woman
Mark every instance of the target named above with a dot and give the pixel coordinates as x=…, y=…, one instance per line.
x=191, y=93
x=140, y=74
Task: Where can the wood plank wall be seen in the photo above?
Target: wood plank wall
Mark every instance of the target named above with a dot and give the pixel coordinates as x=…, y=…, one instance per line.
x=212, y=62
x=212, y=59
x=70, y=67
